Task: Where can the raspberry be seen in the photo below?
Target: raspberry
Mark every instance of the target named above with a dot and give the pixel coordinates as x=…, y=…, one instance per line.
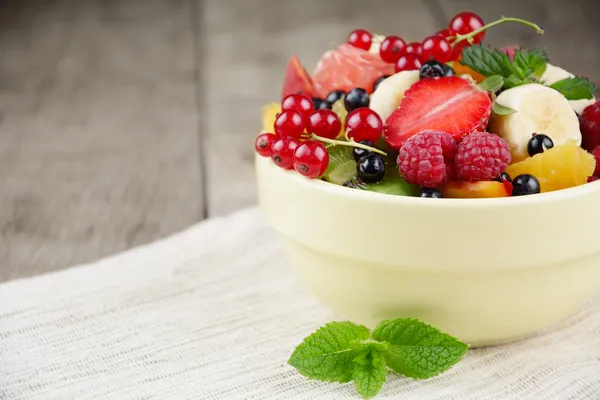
x=590, y=126
x=425, y=157
x=481, y=156
x=596, y=154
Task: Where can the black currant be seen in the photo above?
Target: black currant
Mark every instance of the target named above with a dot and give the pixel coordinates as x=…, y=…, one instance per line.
x=378, y=81
x=431, y=193
x=538, y=144
x=320, y=104
x=503, y=177
x=434, y=69
x=356, y=98
x=334, y=96
x=370, y=168
x=525, y=184
x=358, y=153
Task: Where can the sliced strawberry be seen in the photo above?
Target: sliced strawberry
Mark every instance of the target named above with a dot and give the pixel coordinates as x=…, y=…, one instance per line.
x=451, y=104
x=297, y=79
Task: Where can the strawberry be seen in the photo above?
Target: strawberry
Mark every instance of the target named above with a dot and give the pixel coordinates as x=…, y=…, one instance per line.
x=449, y=104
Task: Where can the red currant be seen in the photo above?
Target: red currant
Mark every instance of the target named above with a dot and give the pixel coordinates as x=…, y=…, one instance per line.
x=360, y=38
x=391, y=49
x=457, y=50
x=324, y=123
x=414, y=47
x=298, y=102
x=311, y=159
x=289, y=123
x=446, y=33
x=436, y=47
x=364, y=124
x=282, y=152
x=264, y=142
x=408, y=62
x=466, y=22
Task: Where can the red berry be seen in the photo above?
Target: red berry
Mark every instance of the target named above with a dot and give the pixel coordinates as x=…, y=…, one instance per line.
x=590, y=126
x=592, y=179
x=596, y=154
x=446, y=33
x=360, y=38
x=414, y=47
x=391, y=49
x=436, y=47
x=466, y=22
x=481, y=156
x=311, y=159
x=408, y=62
x=298, y=102
x=324, y=123
x=424, y=158
x=282, y=152
x=364, y=124
x=289, y=123
x=457, y=50
x=264, y=142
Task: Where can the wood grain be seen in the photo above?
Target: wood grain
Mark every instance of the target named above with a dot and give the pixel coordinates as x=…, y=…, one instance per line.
x=99, y=137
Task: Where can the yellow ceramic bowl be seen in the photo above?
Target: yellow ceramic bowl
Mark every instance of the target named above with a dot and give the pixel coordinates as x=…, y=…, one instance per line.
x=488, y=271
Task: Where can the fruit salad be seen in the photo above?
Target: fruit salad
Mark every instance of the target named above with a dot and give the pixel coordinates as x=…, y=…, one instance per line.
x=446, y=117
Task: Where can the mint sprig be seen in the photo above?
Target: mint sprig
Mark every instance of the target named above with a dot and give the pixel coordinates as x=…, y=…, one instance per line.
x=526, y=67
x=575, y=88
x=417, y=350
x=344, y=351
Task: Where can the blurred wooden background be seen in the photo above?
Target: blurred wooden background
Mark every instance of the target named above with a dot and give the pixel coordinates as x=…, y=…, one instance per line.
x=124, y=121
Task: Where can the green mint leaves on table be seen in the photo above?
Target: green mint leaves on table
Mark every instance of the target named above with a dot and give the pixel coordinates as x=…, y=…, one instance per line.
x=344, y=351
x=526, y=67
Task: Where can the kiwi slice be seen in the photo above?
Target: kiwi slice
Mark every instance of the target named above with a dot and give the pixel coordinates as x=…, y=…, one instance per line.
x=342, y=166
x=342, y=171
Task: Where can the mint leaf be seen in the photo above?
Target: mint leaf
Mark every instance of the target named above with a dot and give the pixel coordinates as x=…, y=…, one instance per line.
x=369, y=372
x=499, y=109
x=487, y=61
x=512, y=81
x=326, y=354
x=492, y=84
x=418, y=350
x=368, y=344
x=534, y=62
x=575, y=88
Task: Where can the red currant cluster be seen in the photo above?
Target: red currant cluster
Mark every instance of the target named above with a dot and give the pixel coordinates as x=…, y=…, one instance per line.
x=300, y=132
x=443, y=46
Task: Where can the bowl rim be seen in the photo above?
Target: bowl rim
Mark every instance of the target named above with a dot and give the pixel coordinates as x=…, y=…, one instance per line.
x=507, y=202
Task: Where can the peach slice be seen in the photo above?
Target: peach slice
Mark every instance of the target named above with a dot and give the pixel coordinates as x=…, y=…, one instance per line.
x=476, y=190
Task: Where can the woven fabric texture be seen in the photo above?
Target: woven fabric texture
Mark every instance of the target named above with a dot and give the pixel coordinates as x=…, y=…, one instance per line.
x=214, y=312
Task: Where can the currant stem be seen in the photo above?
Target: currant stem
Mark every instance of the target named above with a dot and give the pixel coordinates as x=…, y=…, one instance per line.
x=469, y=36
x=351, y=143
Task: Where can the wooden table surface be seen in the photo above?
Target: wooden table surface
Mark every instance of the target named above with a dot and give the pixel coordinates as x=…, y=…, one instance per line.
x=122, y=122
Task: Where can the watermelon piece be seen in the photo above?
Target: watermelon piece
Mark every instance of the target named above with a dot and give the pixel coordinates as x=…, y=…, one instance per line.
x=296, y=79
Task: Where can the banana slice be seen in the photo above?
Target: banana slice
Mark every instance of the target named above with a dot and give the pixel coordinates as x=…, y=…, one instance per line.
x=555, y=74
x=386, y=99
x=539, y=109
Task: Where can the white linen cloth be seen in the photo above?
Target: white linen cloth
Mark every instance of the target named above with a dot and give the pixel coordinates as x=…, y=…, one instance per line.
x=214, y=312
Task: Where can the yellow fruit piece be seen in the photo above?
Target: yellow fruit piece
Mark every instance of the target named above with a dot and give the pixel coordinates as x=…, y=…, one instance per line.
x=460, y=69
x=340, y=109
x=269, y=114
x=560, y=167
